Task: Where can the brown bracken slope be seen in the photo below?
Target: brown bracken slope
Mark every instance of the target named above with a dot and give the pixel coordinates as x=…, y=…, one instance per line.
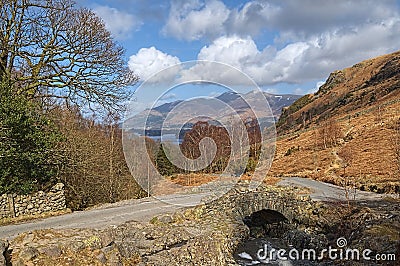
x=347, y=133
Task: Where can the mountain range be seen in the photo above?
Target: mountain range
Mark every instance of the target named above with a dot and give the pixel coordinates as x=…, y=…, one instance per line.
x=225, y=105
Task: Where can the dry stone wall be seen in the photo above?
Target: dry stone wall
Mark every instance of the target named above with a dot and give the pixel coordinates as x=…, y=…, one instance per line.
x=12, y=205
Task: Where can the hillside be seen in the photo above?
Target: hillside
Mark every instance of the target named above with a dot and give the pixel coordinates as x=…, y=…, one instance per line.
x=347, y=132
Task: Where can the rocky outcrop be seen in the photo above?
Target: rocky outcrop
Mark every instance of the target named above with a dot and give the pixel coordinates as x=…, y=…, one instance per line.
x=3, y=252
x=334, y=79
x=190, y=237
x=389, y=71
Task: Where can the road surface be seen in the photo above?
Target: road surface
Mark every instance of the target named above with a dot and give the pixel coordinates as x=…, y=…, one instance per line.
x=141, y=210
x=328, y=192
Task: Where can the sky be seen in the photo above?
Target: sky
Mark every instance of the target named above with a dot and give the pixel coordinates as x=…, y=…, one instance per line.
x=285, y=46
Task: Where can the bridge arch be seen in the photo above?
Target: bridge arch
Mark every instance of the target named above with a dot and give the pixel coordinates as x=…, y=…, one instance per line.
x=296, y=206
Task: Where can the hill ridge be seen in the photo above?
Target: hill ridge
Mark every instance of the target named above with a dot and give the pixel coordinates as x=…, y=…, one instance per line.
x=346, y=90
x=355, y=115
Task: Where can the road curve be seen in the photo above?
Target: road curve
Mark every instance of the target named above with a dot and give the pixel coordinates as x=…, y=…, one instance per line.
x=328, y=192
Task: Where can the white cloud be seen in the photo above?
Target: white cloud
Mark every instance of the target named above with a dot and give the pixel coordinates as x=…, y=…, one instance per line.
x=168, y=97
x=149, y=61
x=301, y=61
x=265, y=67
x=251, y=18
x=297, y=62
x=231, y=50
x=298, y=91
x=294, y=20
x=302, y=19
x=271, y=90
x=119, y=23
x=281, y=67
x=317, y=86
x=312, y=38
x=214, y=94
x=337, y=50
x=192, y=20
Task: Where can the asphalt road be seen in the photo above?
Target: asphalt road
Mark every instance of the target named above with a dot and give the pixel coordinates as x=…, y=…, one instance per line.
x=328, y=192
x=141, y=210
x=144, y=209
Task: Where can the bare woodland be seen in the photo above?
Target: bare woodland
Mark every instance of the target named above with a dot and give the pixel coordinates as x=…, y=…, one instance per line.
x=63, y=61
x=329, y=133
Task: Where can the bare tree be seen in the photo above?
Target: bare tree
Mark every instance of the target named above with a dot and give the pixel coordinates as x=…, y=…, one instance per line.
x=329, y=133
x=54, y=50
x=396, y=145
x=191, y=144
x=346, y=155
x=111, y=130
x=304, y=116
x=323, y=134
x=378, y=115
x=315, y=151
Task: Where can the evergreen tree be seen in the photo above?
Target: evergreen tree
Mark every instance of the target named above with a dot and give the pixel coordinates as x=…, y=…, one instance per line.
x=164, y=166
x=28, y=158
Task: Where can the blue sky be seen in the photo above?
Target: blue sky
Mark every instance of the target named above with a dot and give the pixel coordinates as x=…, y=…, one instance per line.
x=287, y=46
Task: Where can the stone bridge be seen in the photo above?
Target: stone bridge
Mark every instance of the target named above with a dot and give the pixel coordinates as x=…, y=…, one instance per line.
x=294, y=203
x=208, y=234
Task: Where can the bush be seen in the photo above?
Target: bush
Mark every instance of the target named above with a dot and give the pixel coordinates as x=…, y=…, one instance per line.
x=251, y=165
x=292, y=150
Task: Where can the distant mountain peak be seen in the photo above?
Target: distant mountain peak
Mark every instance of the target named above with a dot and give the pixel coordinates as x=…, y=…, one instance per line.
x=241, y=103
